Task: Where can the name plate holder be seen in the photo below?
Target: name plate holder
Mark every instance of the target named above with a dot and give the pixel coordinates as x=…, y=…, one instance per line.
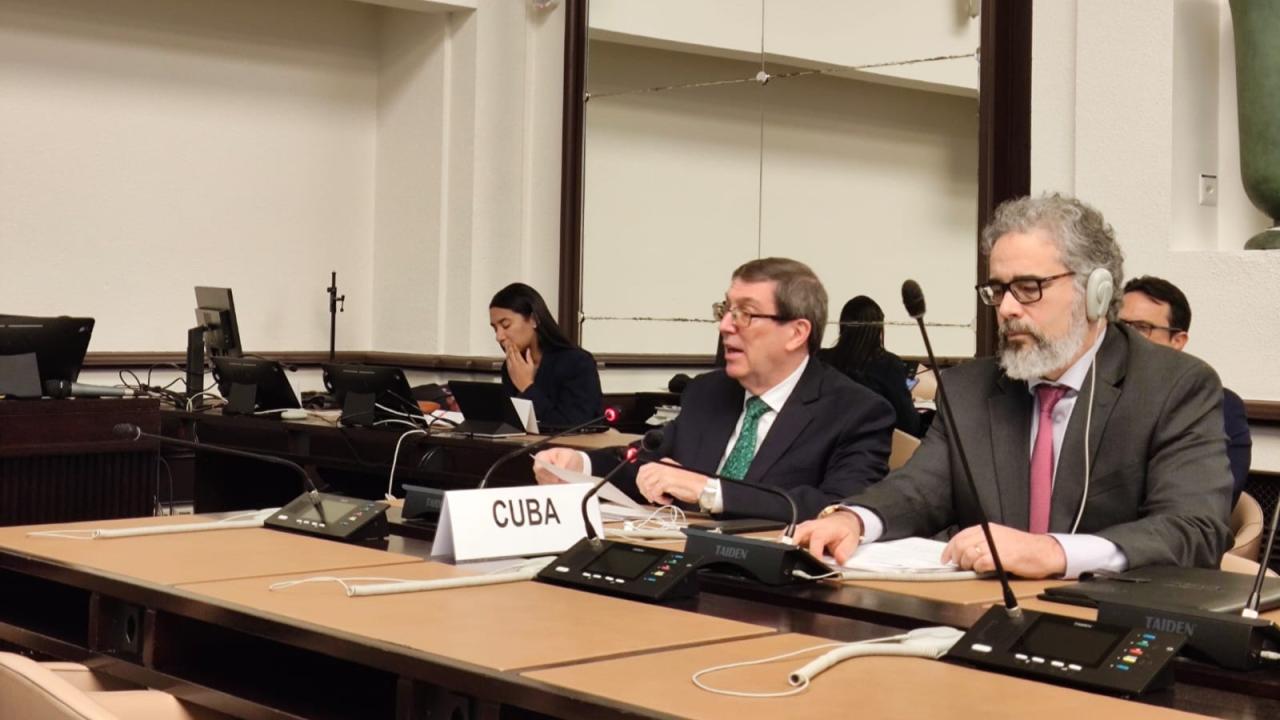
x=505, y=522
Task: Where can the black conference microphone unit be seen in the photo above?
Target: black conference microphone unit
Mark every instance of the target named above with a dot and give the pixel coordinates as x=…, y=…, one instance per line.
x=766, y=561
x=1230, y=640
x=1097, y=656
x=610, y=415
x=325, y=515
x=66, y=389
x=636, y=572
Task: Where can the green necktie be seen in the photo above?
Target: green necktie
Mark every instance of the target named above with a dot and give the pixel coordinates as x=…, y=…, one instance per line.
x=735, y=466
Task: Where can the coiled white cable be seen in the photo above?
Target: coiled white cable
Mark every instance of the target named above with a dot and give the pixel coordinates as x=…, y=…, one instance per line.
x=243, y=520
x=526, y=570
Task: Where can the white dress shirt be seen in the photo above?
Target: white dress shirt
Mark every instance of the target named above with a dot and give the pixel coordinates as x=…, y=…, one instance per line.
x=1084, y=553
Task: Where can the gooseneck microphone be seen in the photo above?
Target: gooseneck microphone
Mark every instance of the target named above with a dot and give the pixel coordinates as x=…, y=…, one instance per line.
x=628, y=458
x=653, y=441
x=133, y=432
x=913, y=301
x=610, y=416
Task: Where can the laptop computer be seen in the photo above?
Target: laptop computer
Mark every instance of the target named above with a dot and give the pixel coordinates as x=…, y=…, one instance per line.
x=487, y=409
x=1168, y=586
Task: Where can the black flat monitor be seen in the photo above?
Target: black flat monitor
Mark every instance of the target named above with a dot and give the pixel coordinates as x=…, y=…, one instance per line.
x=216, y=315
x=369, y=393
x=35, y=350
x=253, y=385
x=487, y=409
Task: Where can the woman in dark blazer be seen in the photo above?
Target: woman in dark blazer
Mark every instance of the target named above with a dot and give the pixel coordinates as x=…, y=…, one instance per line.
x=542, y=365
x=860, y=354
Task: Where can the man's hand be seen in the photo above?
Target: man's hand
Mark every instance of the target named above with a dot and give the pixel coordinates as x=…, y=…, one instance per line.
x=838, y=533
x=566, y=458
x=520, y=367
x=1022, y=553
x=662, y=484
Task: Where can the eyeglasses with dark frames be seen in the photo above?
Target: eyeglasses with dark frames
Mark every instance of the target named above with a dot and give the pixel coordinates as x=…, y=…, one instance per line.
x=1146, y=328
x=1025, y=290
x=741, y=318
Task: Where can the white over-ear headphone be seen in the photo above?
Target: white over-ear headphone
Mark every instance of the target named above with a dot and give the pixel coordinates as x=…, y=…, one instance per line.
x=1098, y=292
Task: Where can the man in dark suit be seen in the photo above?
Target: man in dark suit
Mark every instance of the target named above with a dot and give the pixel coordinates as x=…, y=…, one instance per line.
x=1158, y=310
x=773, y=415
x=1157, y=486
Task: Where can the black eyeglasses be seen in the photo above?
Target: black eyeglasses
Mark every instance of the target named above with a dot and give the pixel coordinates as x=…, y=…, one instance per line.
x=1025, y=290
x=741, y=318
x=1147, y=328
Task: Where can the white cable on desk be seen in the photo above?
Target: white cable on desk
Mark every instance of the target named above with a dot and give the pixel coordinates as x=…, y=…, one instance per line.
x=231, y=523
x=396, y=456
x=930, y=642
x=643, y=534
x=391, y=586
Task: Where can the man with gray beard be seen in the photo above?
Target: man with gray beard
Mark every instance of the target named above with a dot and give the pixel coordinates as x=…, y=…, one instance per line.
x=1152, y=485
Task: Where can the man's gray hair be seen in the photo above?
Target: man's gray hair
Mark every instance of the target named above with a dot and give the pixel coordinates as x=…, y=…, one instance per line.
x=1085, y=241
x=799, y=293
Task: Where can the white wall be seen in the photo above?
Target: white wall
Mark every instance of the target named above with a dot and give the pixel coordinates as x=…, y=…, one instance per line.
x=148, y=147
x=1147, y=88
x=862, y=181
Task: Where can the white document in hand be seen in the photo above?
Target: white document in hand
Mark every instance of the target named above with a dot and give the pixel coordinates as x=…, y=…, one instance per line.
x=608, y=493
x=908, y=555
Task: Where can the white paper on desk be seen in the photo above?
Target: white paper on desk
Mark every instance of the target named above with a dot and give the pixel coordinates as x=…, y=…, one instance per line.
x=446, y=416
x=528, y=418
x=608, y=493
x=908, y=555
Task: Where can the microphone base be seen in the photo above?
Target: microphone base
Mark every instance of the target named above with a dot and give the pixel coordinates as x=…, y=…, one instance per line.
x=348, y=520
x=635, y=572
x=765, y=561
x=1113, y=659
x=1224, y=639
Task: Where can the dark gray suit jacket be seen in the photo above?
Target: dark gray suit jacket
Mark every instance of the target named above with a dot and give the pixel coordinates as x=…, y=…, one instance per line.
x=1160, y=485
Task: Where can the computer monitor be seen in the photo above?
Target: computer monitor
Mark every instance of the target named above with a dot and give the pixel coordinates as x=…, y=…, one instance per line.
x=35, y=350
x=216, y=315
x=253, y=385
x=360, y=389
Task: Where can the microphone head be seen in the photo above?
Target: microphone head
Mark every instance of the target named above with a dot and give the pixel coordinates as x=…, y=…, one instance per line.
x=652, y=440
x=127, y=430
x=913, y=298
x=678, y=383
x=612, y=413
x=57, y=388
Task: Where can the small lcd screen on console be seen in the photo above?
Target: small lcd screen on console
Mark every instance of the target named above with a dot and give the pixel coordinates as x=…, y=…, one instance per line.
x=1064, y=639
x=625, y=561
x=334, y=510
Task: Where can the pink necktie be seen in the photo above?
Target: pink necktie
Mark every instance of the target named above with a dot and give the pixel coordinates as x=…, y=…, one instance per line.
x=1042, y=458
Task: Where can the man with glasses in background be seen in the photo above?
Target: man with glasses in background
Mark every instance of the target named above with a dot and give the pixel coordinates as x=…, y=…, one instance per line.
x=774, y=415
x=1150, y=487
x=1158, y=310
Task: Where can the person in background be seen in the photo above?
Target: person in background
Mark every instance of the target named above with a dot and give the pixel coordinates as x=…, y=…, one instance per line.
x=859, y=353
x=1158, y=310
x=542, y=364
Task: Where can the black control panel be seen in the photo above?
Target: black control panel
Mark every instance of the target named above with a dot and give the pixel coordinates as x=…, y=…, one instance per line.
x=1106, y=658
x=631, y=571
x=340, y=518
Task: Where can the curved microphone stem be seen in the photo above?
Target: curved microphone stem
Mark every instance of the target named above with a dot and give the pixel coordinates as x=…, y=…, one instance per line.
x=586, y=518
x=610, y=415
x=133, y=432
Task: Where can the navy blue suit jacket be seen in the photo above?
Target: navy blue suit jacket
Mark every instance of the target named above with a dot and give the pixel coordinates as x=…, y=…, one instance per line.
x=565, y=390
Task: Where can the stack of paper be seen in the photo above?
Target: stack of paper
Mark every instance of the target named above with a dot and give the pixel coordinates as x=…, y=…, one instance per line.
x=909, y=555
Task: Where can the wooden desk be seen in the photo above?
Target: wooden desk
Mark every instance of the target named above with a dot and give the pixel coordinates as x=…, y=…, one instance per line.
x=863, y=687
x=501, y=627
x=59, y=460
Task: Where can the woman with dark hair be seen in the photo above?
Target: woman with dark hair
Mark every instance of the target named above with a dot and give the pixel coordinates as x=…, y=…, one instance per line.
x=542, y=364
x=860, y=354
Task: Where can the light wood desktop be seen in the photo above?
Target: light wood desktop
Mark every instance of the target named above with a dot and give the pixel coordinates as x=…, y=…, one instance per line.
x=502, y=627
x=192, y=557
x=879, y=687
